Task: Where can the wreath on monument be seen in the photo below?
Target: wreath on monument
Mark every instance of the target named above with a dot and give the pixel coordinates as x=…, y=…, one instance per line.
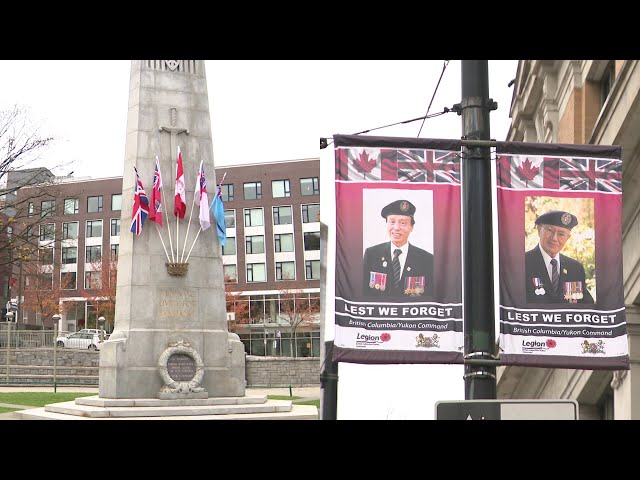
x=173, y=386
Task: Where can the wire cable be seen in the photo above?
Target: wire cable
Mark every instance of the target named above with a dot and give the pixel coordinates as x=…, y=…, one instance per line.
x=324, y=143
x=444, y=67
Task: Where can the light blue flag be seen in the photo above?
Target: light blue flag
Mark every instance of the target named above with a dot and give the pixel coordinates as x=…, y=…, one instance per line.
x=217, y=208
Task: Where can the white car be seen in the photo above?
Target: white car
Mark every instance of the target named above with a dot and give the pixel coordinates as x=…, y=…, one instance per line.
x=90, y=341
x=95, y=331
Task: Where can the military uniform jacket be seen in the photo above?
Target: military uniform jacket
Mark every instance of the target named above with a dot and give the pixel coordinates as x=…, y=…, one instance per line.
x=417, y=275
x=536, y=273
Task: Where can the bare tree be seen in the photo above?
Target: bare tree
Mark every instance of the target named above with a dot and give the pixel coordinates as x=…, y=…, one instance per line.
x=21, y=145
x=20, y=142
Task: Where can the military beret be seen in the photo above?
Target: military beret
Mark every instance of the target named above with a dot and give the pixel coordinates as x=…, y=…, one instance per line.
x=399, y=207
x=557, y=218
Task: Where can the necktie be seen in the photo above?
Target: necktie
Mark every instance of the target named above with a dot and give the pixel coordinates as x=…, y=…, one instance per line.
x=555, y=276
x=396, y=266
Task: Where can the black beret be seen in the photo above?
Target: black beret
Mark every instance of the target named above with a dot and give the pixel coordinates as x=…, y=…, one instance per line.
x=399, y=207
x=558, y=218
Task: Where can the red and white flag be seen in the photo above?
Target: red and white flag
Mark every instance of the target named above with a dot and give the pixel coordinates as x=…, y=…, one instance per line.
x=155, y=208
x=201, y=198
x=180, y=202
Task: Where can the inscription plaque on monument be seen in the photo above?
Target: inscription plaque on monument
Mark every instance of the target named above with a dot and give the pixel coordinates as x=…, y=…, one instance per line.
x=181, y=368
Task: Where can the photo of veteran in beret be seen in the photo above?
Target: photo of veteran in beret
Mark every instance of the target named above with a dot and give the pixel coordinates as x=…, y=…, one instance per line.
x=398, y=270
x=552, y=277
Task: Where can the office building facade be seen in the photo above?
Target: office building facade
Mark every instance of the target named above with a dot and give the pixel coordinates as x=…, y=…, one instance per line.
x=586, y=102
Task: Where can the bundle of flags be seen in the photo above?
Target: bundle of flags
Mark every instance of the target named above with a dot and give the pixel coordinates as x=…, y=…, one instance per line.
x=142, y=208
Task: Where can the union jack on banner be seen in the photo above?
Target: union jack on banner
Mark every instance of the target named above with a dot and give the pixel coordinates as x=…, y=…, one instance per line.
x=559, y=173
x=426, y=166
x=590, y=174
x=140, y=206
x=391, y=165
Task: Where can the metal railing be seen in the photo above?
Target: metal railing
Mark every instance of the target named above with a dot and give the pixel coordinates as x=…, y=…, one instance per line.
x=14, y=373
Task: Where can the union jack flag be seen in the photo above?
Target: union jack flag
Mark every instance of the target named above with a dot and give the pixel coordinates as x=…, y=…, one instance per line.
x=140, y=206
x=590, y=174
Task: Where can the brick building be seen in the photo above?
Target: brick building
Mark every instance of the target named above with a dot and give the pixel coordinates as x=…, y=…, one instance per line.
x=271, y=254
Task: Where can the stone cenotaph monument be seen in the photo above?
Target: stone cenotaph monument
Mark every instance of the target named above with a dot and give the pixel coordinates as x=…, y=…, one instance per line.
x=170, y=339
x=171, y=354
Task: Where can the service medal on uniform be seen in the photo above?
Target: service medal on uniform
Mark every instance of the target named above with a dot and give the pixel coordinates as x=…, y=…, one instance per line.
x=537, y=282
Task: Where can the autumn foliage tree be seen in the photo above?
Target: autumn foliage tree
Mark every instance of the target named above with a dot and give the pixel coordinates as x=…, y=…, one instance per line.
x=102, y=293
x=240, y=308
x=297, y=309
x=41, y=293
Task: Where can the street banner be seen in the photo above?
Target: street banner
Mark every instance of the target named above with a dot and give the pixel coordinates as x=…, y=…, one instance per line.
x=398, y=287
x=559, y=211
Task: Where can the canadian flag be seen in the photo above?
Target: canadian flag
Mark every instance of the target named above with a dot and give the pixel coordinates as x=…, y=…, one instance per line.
x=180, y=203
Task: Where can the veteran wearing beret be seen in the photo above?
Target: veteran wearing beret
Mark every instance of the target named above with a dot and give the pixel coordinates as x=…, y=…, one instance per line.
x=397, y=270
x=552, y=277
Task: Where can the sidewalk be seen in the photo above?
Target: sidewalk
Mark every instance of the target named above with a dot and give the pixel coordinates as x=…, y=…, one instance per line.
x=305, y=393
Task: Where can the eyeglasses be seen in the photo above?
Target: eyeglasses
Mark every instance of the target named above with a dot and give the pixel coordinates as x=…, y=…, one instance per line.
x=551, y=232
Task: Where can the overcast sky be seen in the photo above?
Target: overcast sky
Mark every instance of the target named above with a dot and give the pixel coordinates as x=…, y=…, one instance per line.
x=265, y=111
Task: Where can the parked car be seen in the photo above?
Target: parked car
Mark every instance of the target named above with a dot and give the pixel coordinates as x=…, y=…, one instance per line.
x=95, y=331
x=80, y=339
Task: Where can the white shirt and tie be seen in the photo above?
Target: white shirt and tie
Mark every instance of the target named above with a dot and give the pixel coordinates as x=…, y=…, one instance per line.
x=547, y=261
x=403, y=255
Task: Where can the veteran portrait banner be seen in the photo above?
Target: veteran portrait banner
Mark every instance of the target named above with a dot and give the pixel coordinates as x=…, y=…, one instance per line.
x=559, y=213
x=398, y=291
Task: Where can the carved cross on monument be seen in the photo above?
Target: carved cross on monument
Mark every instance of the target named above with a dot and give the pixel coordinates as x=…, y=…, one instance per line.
x=174, y=131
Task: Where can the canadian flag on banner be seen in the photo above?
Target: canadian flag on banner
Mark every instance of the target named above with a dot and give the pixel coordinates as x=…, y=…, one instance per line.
x=180, y=203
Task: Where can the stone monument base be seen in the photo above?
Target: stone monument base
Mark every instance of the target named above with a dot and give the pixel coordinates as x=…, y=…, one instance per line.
x=179, y=396
x=250, y=407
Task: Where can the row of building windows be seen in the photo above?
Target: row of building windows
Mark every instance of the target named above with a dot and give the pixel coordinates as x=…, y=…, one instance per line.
x=70, y=230
x=279, y=189
x=72, y=205
x=282, y=215
x=282, y=242
x=252, y=191
x=257, y=272
x=44, y=280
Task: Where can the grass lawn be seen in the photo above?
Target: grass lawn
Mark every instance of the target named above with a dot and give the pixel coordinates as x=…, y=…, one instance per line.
x=39, y=399
x=7, y=410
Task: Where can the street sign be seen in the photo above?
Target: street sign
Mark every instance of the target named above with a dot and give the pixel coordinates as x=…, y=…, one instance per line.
x=507, y=410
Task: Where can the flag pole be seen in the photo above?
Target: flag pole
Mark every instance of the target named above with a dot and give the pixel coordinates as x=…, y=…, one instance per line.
x=166, y=216
x=184, y=247
x=214, y=199
x=193, y=244
x=175, y=192
x=162, y=241
x=157, y=228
